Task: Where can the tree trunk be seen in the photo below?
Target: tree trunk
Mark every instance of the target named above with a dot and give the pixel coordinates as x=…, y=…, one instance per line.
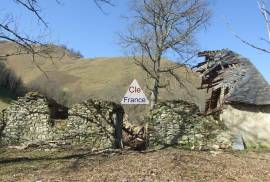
x=154, y=95
x=118, y=124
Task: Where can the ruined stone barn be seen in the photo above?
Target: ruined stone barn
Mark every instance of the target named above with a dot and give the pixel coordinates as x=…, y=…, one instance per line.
x=35, y=118
x=238, y=94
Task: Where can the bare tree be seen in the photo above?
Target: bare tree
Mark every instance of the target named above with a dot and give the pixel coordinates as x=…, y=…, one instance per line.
x=160, y=28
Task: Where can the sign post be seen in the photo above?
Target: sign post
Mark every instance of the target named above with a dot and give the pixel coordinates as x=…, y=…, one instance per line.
x=134, y=95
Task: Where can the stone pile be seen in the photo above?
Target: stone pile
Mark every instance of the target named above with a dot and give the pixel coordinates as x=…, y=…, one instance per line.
x=180, y=123
x=95, y=123
x=27, y=119
x=99, y=124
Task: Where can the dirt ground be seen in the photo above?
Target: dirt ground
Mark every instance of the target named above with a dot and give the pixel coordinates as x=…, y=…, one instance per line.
x=164, y=165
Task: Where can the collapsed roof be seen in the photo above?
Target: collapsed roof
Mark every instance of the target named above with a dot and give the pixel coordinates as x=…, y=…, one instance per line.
x=231, y=78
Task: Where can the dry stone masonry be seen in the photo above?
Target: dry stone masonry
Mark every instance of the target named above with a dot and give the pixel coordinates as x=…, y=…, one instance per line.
x=99, y=124
x=180, y=123
x=33, y=118
x=27, y=120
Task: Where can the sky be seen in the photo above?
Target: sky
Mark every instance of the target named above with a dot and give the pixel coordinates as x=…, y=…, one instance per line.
x=81, y=25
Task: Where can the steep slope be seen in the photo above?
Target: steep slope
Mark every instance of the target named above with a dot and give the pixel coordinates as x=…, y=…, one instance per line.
x=70, y=80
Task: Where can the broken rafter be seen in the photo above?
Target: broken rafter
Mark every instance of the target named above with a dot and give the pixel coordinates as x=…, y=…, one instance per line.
x=216, y=67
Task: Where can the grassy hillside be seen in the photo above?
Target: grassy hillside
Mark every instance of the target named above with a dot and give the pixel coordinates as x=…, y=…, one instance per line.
x=72, y=80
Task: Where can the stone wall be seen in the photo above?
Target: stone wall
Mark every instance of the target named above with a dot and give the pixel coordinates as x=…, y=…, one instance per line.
x=95, y=123
x=180, y=123
x=252, y=122
x=99, y=124
x=27, y=119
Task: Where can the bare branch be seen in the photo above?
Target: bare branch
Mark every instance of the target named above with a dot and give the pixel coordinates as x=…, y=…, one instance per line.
x=27, y=45
x=160, y=27
x=246, y=42
x=32, y=6
x=100, y=2
x=265, y=14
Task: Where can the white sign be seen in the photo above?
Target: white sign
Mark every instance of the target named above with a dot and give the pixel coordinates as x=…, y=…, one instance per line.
x=134, y=95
